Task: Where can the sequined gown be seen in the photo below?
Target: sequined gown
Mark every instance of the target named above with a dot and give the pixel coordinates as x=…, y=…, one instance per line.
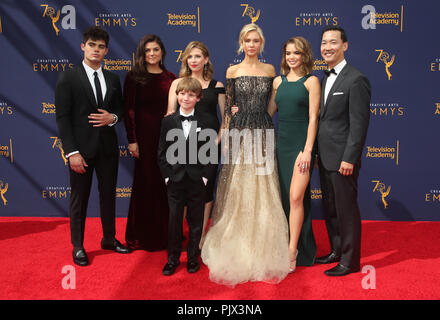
x=248, y=236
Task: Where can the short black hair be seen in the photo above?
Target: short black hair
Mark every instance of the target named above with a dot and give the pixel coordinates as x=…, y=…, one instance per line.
x=96, y=33
x=335, y=28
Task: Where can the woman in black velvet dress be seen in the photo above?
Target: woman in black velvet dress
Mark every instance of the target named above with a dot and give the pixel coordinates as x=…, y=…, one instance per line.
x=146, y=96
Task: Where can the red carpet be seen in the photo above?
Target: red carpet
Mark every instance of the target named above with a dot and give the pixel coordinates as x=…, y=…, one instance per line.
x=405, y=257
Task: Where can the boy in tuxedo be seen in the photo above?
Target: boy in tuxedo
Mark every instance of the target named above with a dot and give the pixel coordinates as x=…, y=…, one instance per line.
x=185, y=172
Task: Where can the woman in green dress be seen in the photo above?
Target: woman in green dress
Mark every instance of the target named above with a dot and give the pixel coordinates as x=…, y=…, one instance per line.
x=296, y=96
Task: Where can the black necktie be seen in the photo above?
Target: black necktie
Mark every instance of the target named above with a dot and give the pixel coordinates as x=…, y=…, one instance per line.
x=183, y=118
x=98, y=90
x=327, y=72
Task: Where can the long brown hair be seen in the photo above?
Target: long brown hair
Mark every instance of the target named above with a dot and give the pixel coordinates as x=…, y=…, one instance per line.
x=303, y=46
x=140, y=67
x=208, y=69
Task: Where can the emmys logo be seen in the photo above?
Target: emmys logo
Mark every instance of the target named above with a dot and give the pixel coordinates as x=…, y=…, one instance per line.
x=1, y=28
x=315, y=194
x=58, y=145
x=5, y=109
x=67, y=22
x=115, y=20
x=6, y=151
x=51, y=65
x=384, y=152
x=313, y=19
x=433, y=195
x=123, y=152
x=3, y=190
x=250, y=12
x=437, y=108
x=55, y=192
x=387, y=109
x=48, y=108
x=435, y=65
x=238, y=60
x=373, y=18
x=380, y=187
x=385, y=58
x=119, y=64
x=184, y=19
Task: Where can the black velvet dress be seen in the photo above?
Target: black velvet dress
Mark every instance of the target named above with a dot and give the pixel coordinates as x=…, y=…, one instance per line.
x=145, y=107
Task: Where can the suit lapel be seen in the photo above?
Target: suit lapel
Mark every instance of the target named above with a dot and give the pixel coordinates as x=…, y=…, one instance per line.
x=323, y=82
x=336, y=85
x=109, y=91
x=87, y=86
x=178, y=123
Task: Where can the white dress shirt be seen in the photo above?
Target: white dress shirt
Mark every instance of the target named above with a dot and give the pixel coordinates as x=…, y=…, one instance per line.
x=332, y=78
x=90, y=74
x=186, y=124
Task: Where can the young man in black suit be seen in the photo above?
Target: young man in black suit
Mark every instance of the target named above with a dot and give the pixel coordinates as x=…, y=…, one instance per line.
x=89, y=103
x=185, y=169
x=343, y=125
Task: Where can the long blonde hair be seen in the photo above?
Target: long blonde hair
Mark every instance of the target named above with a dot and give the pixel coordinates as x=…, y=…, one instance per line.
x=208, y=69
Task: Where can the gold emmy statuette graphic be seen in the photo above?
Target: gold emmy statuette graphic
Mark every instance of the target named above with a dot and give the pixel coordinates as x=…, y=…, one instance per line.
x=384, y=56
x=49, y=11
x=180, y=54
x=3, y=189
x=381, y=188
x=57, y=143
x=250, y=12
x=437, y=110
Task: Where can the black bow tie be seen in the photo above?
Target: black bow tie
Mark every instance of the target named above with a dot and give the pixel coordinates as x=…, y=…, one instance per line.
x=183, y=118
x=327, y=72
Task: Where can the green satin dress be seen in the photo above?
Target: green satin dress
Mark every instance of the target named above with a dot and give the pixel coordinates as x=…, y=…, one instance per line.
x=292, y=100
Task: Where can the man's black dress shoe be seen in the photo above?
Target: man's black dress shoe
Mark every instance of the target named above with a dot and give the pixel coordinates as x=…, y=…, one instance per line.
x=114, y=245
x=330, y=258
x=80, y=257
x=169, y=268
x=193, y=266
x=341, y=270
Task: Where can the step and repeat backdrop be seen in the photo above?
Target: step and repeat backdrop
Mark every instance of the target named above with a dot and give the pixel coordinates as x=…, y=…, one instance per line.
x=392, y=42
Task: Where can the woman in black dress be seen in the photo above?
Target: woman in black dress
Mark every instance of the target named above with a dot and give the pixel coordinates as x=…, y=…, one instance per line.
x=196, y=64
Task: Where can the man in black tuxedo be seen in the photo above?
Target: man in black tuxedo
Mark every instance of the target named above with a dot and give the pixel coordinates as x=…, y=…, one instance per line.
x=89, y=103
x=185, y=169
x=343, y=125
